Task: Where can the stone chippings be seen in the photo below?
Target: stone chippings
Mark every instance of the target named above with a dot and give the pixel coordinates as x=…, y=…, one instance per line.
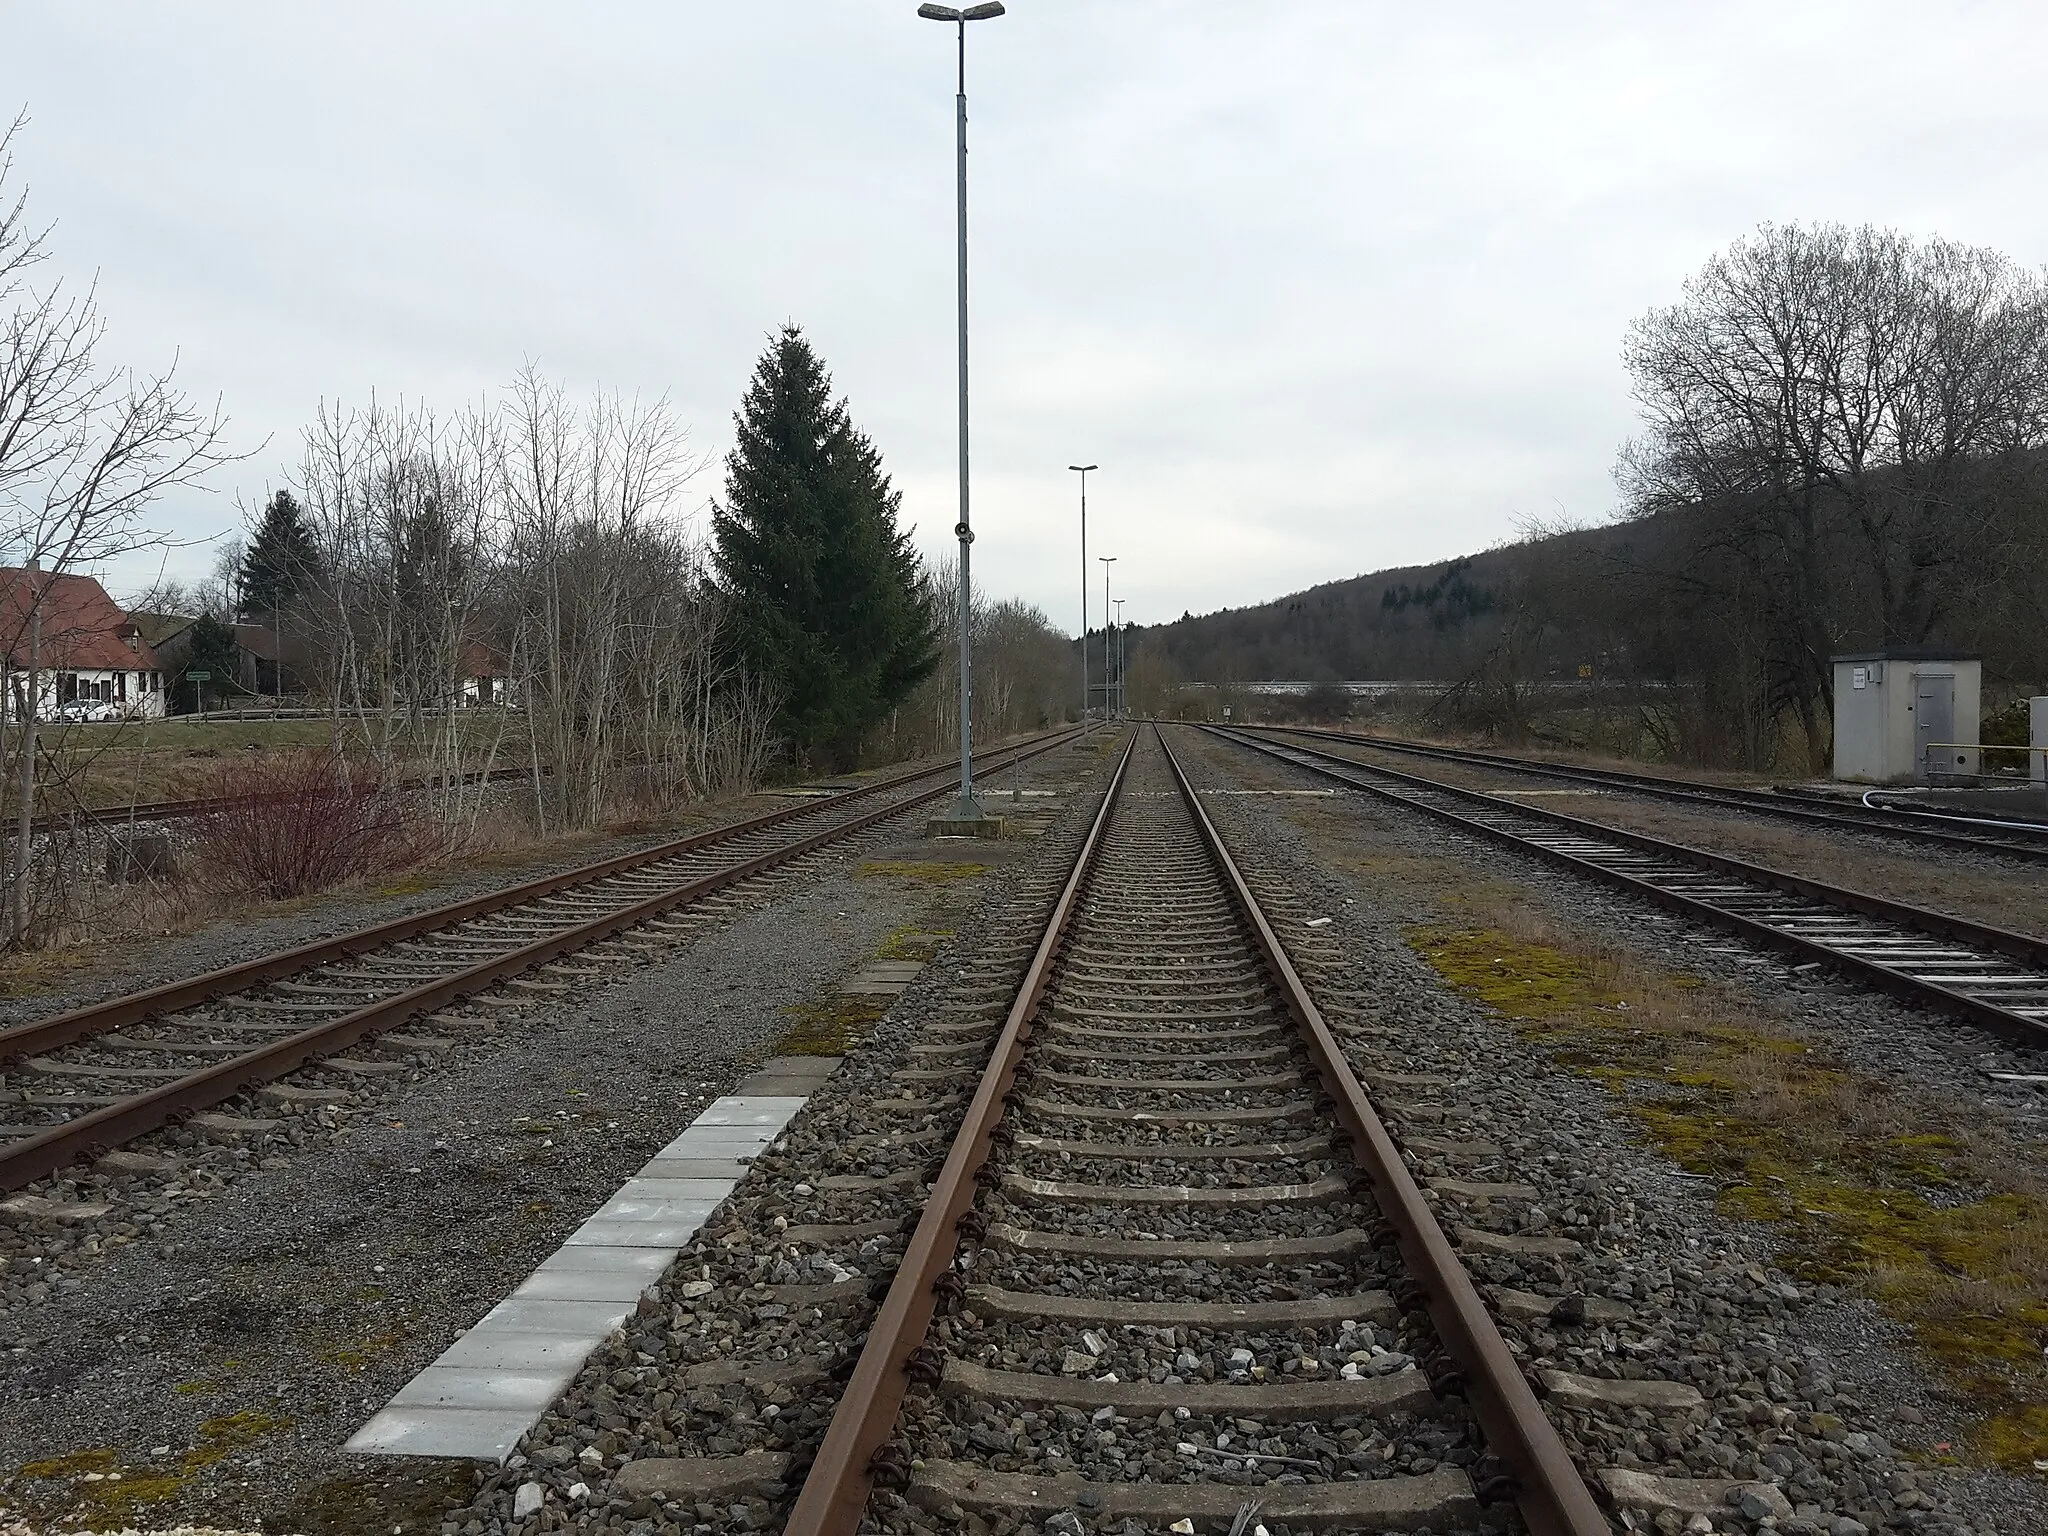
x=1799, y=1395
x=743, y=1346
x=52, y=1233
x=122, y=1278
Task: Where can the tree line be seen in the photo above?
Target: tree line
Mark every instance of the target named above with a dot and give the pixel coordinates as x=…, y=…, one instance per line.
x=526, y=580
x=1844, y=446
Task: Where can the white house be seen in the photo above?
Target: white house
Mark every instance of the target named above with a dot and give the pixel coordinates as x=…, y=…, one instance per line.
x=80, y=644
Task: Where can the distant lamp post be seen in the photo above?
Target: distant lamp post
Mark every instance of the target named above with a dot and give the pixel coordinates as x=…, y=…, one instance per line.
x=1120, y=658
x=1107, y=562
x=1082, y=470
x=966, y=809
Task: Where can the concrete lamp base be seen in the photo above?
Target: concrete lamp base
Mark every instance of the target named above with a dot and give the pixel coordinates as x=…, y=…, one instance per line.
x=964, y=826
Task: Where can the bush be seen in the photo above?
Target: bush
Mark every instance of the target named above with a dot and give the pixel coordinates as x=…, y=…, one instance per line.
x=302, y=821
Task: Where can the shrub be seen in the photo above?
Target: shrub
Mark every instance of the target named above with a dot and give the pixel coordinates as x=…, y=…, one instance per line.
x=300, y=822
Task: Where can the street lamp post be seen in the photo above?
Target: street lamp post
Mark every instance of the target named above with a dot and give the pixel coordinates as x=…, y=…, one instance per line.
x=966, y=809
x=1120, y=658
x=1107, y=562
x=1082, y=470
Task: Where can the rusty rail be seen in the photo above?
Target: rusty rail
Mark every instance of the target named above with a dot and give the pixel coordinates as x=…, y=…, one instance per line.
x=1554, y=1500
x=33, y=1157
x=836, y=1491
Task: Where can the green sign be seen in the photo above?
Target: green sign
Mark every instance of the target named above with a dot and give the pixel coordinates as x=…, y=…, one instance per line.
x=199, y=675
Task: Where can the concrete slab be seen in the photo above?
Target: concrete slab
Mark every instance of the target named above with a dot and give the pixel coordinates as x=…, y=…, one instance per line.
x=605, y=1233
x=619, y=1287
x=626, y=1262
x=729, y=1170
x=443, y=1386
x=768, y=1110
x=631, y=1208
x=642, y=1188
x=492, y=1385
x=481, y=1434
x=557, y=1314
x=722, y=1140
x=506, y=1349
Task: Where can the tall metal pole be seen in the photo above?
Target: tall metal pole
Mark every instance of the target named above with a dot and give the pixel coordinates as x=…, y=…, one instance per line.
x=1120, y=658
x=1082, y=470
x=1107, y=697
x=967, y=809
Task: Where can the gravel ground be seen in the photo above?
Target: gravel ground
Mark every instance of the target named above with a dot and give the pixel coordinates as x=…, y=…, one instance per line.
x=1984, y=887
x=216, y=1357
x=1805, y=1389
x=741, y=1346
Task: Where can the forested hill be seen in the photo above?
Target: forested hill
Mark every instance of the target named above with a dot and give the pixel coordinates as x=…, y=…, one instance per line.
x=1410, y=622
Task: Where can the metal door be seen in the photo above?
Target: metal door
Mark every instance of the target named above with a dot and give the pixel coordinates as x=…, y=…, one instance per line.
x=1934, y=718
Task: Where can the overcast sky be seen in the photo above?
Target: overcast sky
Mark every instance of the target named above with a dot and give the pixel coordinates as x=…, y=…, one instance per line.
x=1322, y=287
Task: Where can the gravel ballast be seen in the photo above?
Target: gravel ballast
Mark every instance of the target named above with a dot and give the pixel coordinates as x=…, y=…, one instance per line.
x=263, y=1300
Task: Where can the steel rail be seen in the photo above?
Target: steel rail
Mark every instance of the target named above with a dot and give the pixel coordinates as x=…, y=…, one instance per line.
x=1553, y=1498
x=33, y=1157
x=836, y=1489
x=111, y=818
x=94, y=1018
x=2028, y=845
x=1980, y=939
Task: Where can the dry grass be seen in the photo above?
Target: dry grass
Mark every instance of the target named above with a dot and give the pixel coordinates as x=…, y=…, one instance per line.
x=1913, y=1197
x=2005, y=898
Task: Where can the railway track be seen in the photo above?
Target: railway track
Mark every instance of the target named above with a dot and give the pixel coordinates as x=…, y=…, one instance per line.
x=1172, y=1241
x=1930, y=828
x=109, y=818
x=1995, y=978
x=81, y=1083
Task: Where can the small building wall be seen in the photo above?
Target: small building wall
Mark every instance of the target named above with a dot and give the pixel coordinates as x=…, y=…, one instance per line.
x=1902, y=715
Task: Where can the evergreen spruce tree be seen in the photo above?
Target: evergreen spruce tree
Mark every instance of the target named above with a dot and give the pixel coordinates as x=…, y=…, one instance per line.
x=828, y=603
x=281, y=558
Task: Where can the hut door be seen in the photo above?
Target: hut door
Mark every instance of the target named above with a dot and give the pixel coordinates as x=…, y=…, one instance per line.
x=1934, y=717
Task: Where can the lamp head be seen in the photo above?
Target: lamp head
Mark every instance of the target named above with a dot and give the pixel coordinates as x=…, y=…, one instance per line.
x=1084, y=468
x=987, y=12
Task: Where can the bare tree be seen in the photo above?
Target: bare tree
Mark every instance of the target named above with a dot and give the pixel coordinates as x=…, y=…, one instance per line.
x=85, y=448
x=1826, y=390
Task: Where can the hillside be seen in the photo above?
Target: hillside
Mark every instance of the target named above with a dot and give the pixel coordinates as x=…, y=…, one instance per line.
x=1433, y=622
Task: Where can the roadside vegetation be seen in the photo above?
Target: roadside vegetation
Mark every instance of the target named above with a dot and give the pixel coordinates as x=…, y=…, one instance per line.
x=1932, y=1208
x=504, y=627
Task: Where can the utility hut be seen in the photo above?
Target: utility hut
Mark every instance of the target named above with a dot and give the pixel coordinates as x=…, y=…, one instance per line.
x=1907, y=716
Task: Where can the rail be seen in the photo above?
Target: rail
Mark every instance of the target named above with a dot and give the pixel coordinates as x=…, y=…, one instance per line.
x=1995, y=978
x=1553, y=1499
x=44, y=1151
x=2015, y=839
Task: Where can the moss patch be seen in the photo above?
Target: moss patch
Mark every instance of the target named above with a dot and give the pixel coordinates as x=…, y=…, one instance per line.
x=354, y=1354
x=102, y=1494
x=29, y=972
x=913, y=944
x=831, y=1027
x=1937, y=1216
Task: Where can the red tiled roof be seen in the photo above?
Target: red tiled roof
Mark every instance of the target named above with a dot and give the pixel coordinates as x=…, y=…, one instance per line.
x=82, y=628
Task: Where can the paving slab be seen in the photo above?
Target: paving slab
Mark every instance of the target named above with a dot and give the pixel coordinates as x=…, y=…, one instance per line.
x=625, y=1262
x=620, y=1287
x=671, y=1234
x=550, y=1314
x=518, y=1351
x=480, y=1434
x=729, y=1169
x=489, y=1387
x=774, y=1111
x=447, y=1386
